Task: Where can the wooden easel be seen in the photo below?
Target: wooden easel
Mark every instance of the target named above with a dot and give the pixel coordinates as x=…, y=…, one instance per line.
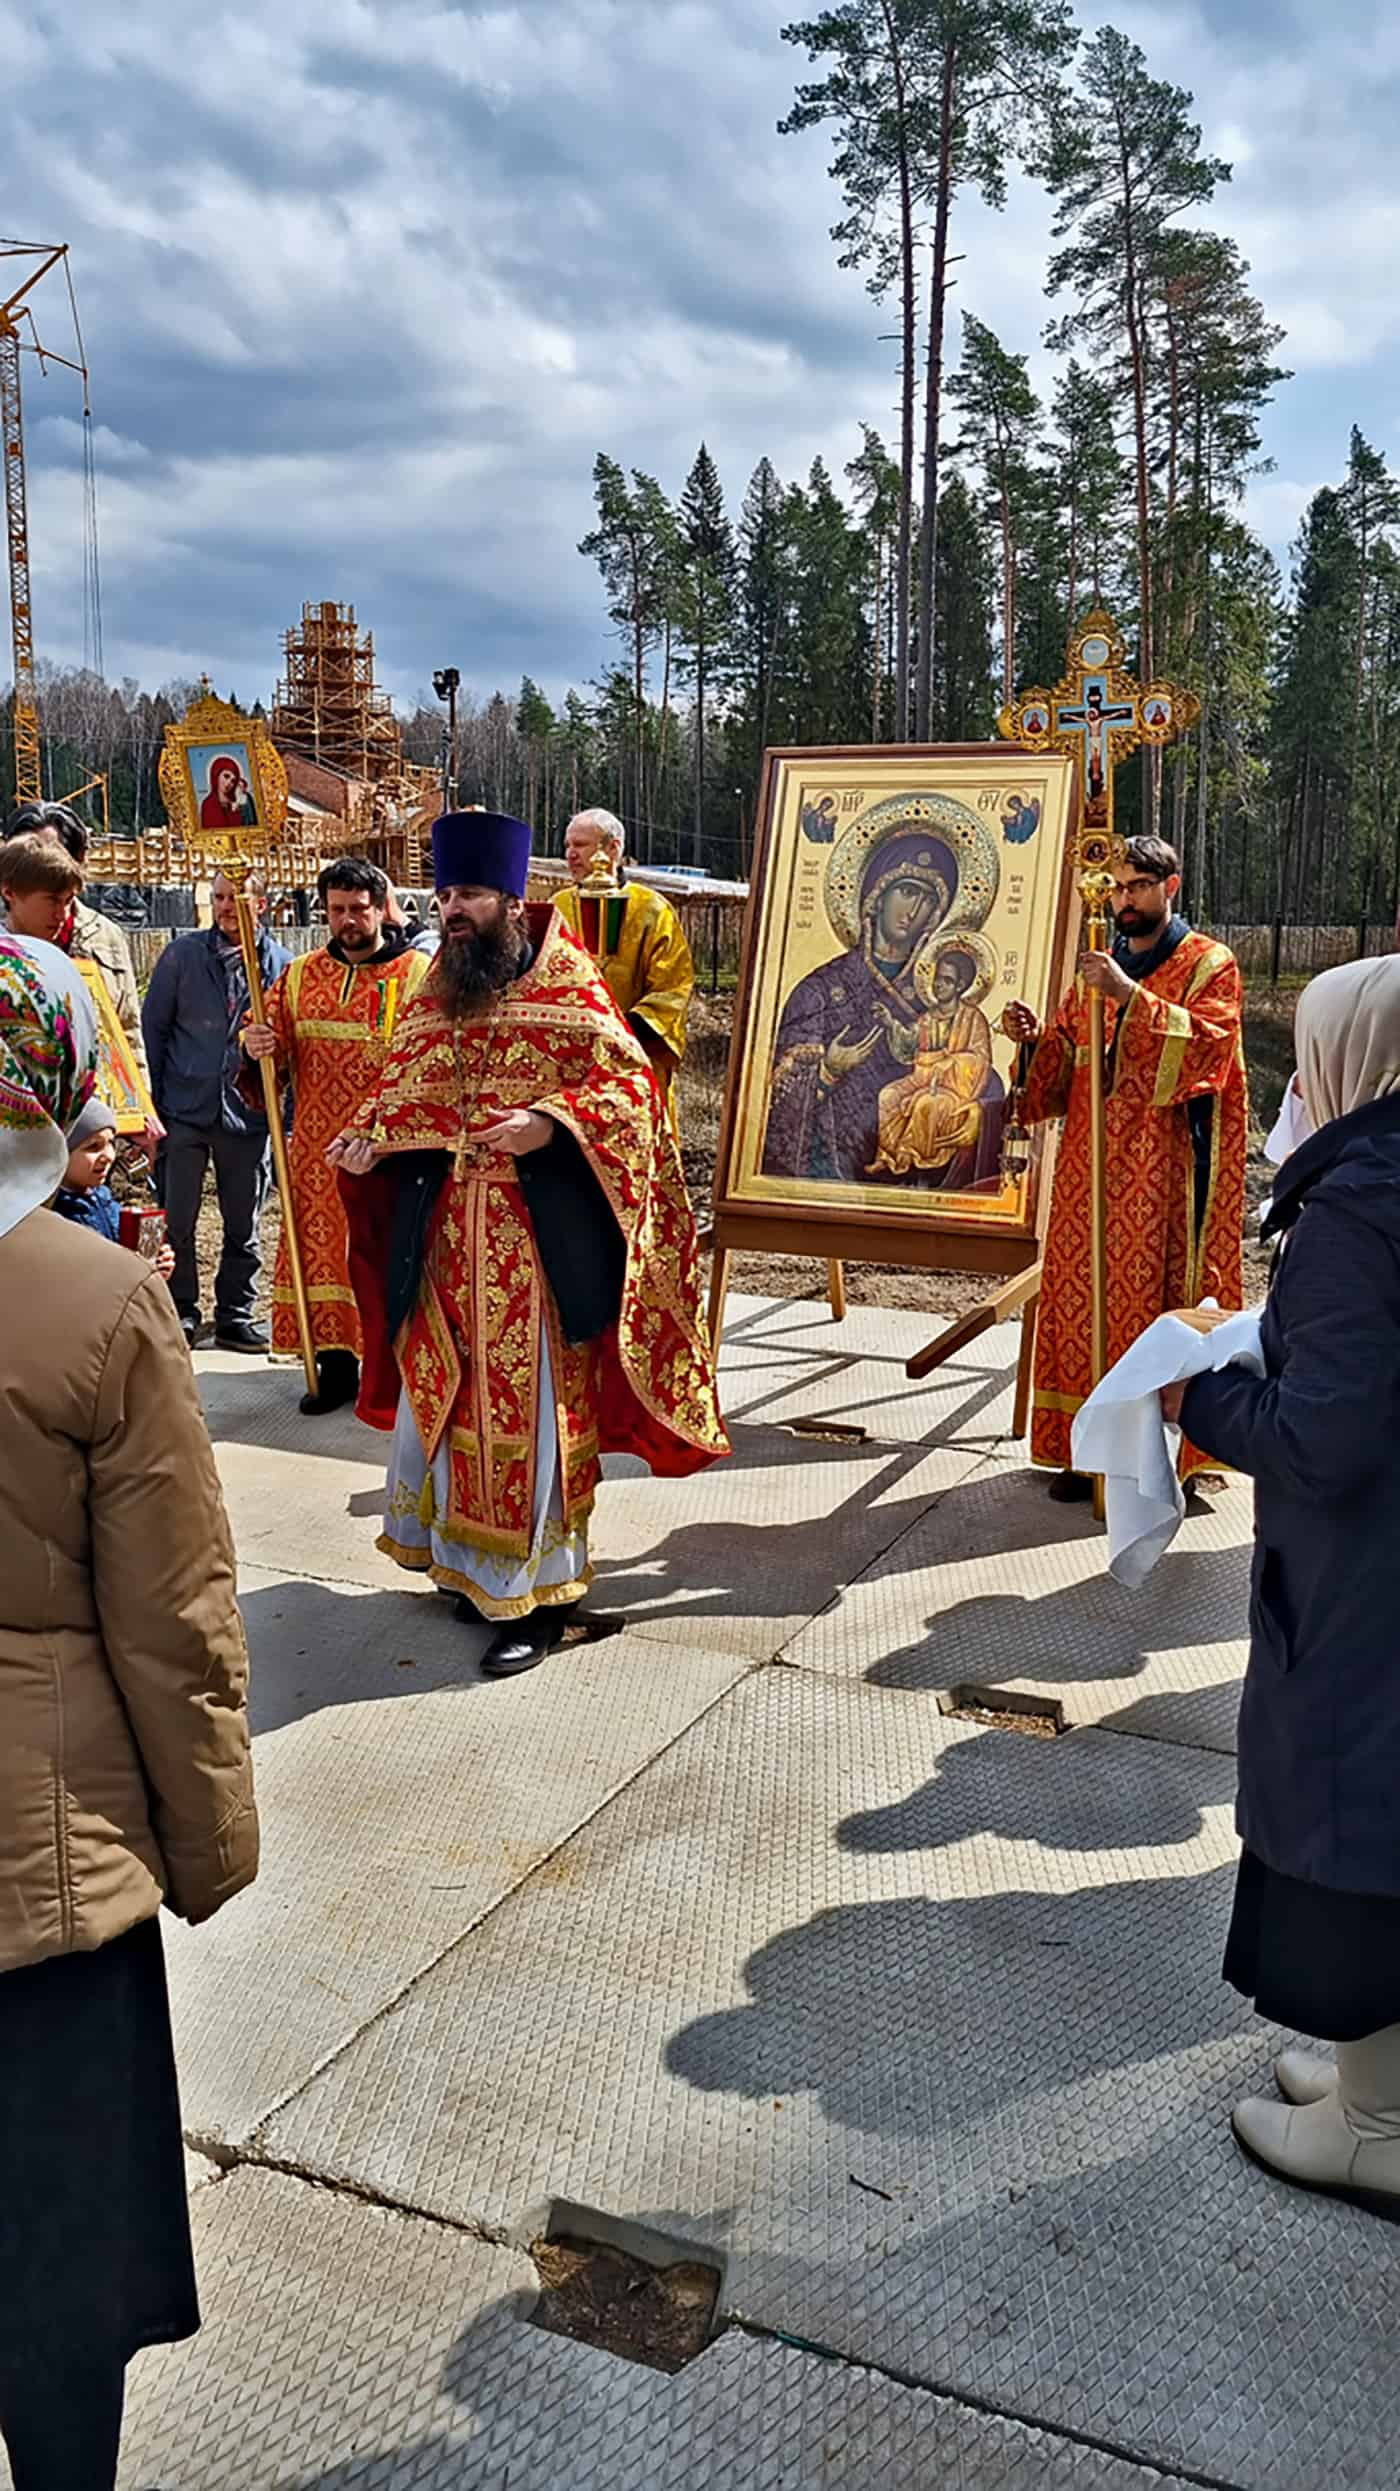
x=719, y=1284
x=1020, y=1296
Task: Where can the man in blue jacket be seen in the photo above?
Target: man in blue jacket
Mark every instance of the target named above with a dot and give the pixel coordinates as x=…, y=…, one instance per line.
x=195, y=1007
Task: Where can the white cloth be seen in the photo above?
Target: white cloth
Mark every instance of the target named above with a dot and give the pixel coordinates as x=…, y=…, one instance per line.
x=415, y=1528
x=1121, y=1436
x=1292, y=1125
x=1291, y=1128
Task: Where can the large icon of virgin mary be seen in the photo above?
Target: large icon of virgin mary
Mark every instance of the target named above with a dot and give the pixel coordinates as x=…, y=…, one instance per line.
x=911, y=867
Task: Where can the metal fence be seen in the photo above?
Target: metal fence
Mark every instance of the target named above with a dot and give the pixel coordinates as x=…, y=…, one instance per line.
x=1300, y=951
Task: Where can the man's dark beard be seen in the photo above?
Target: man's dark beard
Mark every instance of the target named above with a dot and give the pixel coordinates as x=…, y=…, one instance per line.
x=471, y=969
x=1137, y=922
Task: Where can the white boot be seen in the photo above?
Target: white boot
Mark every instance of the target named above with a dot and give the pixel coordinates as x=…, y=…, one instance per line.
x=1302, y=2078
x=1347, y=2144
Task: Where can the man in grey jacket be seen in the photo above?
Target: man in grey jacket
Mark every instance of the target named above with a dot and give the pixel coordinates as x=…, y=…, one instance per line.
x=195, y=1007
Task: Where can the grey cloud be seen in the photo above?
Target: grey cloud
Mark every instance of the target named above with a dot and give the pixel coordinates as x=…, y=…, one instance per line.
x=368, y=282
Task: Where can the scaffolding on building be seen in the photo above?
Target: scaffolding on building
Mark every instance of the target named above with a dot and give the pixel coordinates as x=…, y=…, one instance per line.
x=328, y=705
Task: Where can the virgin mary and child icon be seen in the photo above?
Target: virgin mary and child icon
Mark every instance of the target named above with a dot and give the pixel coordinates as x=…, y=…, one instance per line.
x=882, y=1068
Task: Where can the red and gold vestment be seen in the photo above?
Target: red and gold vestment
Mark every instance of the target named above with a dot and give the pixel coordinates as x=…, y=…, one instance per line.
x=1175, y=1211
x=334, y=1021
x=468, y=1353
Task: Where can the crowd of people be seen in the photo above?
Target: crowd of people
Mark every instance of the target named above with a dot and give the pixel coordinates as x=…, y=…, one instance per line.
x=503, y=1273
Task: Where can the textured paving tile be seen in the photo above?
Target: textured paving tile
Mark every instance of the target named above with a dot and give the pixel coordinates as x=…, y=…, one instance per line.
x=346, y=2349
x=996, y=1586
x=401, y=1795
x=253, y=1401
x=949, y=2083
x=784, y=1359
x=744, y=1555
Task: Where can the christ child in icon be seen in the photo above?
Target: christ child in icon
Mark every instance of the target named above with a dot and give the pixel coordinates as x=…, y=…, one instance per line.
x=935, y=1112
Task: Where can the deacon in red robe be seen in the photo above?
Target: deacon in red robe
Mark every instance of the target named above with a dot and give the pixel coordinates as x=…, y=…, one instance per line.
x=517, y=1176
x=1176, y=1126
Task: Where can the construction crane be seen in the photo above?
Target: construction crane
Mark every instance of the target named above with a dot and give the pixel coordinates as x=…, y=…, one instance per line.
x=17, y=336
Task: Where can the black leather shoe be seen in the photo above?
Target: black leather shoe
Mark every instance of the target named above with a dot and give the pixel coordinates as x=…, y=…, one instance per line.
x=190, y=1323
x=1070, y=1487
x=251, y=1338
x=338, y=1381
x=525, y=1643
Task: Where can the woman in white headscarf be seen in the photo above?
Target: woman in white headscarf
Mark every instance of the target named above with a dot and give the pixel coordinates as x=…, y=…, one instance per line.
x=125, y=1778
x=1315, y=1937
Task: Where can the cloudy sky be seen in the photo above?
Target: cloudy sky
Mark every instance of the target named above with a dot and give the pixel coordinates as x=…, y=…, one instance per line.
x=367, y=283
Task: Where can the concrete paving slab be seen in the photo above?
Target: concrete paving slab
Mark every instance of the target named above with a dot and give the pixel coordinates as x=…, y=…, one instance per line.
x=254, y=1401
x=784, y=1360
x=949, y=2085
x=997, y=1587
x=320, y=1516
x=401, y=1796
x=344, y=2348
x=746, y=1553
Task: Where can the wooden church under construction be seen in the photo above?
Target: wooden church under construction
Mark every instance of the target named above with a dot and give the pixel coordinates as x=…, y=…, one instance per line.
x=337, y=732
x=350, y=790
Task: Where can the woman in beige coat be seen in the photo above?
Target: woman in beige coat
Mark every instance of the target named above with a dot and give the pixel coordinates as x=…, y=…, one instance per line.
x=125, y=1778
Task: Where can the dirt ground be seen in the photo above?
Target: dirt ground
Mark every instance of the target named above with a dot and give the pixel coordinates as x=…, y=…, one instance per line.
x=1268, y=1049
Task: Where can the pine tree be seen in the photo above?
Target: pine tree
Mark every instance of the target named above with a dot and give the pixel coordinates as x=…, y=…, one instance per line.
x=828, y=647
x=1314, y=710
x=868, y=93
x=964, y=708
x=876, y=481
x=623, y=544
x=1121, y=168
x=1093, y=488
x=707, y=586
x=1000, y=419
x=989, y=73
x=534, y=727
x=762, y=608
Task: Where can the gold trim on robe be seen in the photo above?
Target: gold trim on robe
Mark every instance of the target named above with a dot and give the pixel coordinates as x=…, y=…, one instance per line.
x=553, y=1042
x=334, y=1022
x=1178, y=1039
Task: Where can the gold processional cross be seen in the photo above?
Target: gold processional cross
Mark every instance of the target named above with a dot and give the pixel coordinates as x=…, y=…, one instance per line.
x=1099, y=714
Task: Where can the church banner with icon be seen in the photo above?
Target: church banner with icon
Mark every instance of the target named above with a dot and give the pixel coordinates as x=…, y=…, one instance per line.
x=119, y=1082
x=901, y=898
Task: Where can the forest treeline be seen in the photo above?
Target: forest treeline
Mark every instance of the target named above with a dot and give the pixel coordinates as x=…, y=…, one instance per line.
x=907, y=593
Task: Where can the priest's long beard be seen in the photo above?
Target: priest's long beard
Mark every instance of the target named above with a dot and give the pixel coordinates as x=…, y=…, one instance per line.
x=471, y=969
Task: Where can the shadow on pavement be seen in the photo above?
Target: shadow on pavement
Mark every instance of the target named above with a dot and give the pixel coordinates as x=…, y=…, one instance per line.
x=1077, y=1635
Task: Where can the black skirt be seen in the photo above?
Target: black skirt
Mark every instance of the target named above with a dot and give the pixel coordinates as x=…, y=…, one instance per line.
x=94, y=2213
x=1312, y=1957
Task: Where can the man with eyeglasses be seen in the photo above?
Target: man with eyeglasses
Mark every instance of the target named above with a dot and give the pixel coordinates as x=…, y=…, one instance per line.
x=1176, y=1123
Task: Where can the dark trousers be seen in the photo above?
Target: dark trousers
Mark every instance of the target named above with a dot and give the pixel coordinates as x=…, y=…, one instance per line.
x=62, y=2423
x=240, y=1175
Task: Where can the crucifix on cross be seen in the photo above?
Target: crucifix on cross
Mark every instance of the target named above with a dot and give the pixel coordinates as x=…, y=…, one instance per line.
x=1100, y=714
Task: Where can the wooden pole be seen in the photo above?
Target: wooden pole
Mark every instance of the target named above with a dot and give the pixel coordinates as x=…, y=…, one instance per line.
x=248, y=938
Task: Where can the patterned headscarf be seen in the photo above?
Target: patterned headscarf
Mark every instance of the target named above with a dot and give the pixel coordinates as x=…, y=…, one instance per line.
x=48, y=1065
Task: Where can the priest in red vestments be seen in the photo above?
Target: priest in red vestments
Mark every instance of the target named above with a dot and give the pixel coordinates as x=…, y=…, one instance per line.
x=1176, y=1120
x=330, y=1022
x=517, y=1174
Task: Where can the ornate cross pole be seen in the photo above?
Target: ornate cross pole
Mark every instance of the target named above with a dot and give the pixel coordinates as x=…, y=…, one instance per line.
x=1100, y=715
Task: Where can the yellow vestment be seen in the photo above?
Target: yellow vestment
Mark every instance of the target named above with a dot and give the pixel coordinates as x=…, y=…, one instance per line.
x=635, y=936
